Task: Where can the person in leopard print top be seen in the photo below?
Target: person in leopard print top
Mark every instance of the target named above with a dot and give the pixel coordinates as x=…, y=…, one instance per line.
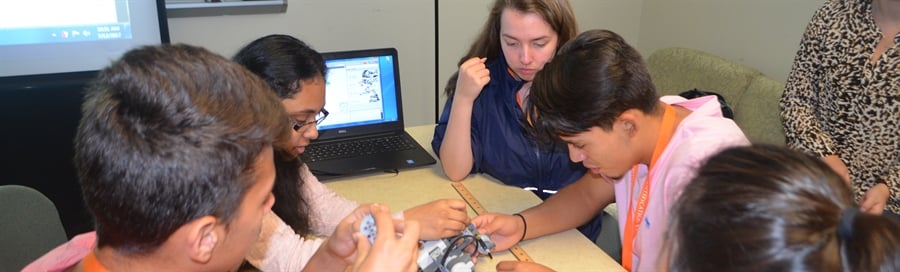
x=842, y=98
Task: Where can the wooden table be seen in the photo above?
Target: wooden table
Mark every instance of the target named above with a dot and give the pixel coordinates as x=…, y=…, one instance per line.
x=565, y=251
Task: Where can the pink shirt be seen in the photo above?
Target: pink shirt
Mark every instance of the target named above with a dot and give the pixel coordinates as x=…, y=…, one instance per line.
x=64, y=256
x=277, y=249
x=701, y=134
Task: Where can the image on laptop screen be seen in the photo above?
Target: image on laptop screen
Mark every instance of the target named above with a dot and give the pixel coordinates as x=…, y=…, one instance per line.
x=364, y=130
x=360, y=91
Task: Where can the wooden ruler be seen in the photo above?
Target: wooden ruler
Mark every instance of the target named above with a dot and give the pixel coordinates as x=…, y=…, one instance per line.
x=516, y=250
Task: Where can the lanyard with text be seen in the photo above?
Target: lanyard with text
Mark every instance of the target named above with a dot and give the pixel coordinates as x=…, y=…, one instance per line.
x=636, y=210
x=91, y=264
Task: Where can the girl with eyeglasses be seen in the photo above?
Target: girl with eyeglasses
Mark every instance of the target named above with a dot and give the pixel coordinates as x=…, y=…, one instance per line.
x=296, y=73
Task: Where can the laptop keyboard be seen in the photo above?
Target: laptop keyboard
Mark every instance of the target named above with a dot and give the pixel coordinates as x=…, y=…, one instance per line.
x=320, y=152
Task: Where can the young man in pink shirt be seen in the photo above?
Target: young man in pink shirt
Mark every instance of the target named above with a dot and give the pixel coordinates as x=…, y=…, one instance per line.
x=598, y=98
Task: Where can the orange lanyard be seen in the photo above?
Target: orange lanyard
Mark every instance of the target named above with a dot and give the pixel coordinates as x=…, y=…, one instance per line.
x=91, y=264
x=518, y=98
x=636, y=214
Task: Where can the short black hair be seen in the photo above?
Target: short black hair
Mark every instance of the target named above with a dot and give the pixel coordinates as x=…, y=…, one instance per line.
x=168, y=134
x=592, y=80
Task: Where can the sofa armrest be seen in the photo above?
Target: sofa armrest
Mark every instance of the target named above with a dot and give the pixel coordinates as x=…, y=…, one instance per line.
x=760, y=113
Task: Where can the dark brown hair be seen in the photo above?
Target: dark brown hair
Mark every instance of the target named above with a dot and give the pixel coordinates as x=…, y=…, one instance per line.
x=592, y=80
x=169, y=134
x=768, y=208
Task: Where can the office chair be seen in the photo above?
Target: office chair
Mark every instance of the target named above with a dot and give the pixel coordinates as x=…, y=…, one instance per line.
x=29, y=226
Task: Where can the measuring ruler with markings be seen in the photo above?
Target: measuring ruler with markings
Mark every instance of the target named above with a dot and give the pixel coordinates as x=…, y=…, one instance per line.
x=516, y=250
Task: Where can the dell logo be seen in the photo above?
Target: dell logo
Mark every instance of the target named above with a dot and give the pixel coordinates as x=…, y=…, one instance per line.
x=342, y=131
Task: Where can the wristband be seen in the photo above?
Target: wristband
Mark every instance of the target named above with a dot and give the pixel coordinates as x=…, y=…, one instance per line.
x=524, y=226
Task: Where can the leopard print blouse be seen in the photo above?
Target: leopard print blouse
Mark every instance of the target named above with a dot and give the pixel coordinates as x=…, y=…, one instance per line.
x=836, y=102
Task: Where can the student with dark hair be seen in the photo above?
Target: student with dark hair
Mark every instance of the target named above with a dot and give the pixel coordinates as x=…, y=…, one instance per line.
x=296, y=62
x=597, y=97
x=296, y=74
x=174, y=157
x=767, y=208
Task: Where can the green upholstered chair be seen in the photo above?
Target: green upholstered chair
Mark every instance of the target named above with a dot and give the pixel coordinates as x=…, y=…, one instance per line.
x=29, y=226
x=753, y=96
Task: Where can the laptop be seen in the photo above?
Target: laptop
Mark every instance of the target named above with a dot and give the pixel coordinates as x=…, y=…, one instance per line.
x=364, y=130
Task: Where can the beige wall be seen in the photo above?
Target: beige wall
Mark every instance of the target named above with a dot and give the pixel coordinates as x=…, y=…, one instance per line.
x=760, y=33
x=331, y=25
x=763, y=34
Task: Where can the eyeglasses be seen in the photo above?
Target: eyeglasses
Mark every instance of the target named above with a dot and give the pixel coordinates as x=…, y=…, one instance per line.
x=297, y=126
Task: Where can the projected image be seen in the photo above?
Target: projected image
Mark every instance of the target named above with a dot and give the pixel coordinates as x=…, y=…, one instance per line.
x=45, y=37
x=58, y=21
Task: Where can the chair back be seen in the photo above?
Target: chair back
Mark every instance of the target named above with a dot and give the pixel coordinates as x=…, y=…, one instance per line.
x=29, y=226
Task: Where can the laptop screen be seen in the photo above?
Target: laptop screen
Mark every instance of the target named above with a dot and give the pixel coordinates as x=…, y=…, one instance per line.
x=360, y=90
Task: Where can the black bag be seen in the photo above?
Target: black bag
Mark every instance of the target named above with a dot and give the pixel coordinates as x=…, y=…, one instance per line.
x=694, y=93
